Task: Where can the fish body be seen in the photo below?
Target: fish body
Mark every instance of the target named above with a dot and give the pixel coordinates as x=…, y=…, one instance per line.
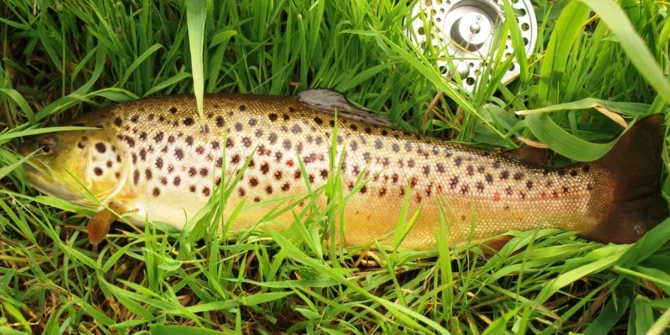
x=156, y=157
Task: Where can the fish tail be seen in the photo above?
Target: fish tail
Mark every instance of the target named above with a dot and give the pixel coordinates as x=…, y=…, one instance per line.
x=632, y=182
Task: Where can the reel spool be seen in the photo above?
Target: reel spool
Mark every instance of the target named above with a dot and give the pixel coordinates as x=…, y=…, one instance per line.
x=466, y=29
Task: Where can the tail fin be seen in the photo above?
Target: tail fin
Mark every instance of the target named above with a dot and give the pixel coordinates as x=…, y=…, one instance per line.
x=634, y=168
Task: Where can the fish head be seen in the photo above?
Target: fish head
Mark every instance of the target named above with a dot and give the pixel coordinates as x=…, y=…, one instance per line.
x=71, y=165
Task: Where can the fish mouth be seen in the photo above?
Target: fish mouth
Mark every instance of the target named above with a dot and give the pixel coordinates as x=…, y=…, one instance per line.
x=46, y=185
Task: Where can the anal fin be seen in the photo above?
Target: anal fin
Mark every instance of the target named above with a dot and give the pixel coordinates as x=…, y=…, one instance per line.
x=328, y=101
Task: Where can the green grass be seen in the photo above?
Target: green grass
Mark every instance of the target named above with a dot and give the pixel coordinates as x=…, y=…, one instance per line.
x=59, y=59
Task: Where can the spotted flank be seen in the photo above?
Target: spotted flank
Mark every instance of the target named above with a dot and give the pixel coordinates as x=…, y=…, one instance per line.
x=156, y=158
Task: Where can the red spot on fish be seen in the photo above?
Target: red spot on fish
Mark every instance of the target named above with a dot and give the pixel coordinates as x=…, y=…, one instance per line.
x=554, y=195
x=368, y=217
x=496, y=196
x=462, y=217
x=543, y=195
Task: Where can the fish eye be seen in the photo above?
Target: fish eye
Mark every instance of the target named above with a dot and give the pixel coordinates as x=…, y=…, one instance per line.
x=47, y=145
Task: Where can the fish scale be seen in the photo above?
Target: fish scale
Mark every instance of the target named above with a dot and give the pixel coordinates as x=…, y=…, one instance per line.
x=174, y=160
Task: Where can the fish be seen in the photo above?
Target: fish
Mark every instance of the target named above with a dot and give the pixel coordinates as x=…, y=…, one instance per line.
x=155, y=160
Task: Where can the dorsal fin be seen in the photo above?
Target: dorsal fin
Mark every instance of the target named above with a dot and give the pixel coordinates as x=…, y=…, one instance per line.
x=328, y=101
x=531, y=156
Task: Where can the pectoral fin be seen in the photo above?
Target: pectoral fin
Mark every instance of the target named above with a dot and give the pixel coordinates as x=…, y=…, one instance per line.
x=98, y=225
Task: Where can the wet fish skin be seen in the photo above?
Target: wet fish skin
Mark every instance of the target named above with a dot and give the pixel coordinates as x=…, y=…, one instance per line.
x=156, y=157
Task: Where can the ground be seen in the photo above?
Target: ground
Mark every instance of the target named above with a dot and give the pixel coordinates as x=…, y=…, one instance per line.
x=63, y=58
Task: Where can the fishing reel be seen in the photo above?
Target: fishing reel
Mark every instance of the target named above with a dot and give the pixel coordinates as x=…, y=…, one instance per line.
x=465, y=32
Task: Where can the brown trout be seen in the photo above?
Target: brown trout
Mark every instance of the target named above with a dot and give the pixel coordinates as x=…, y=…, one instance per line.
x=156, y=158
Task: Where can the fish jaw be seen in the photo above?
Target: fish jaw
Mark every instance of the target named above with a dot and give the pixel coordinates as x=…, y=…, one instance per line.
x=48, y=185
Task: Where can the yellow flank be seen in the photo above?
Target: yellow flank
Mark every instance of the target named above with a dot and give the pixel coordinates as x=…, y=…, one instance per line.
x=155, y=156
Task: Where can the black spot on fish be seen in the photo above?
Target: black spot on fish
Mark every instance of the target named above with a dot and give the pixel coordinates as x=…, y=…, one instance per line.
x=134, y=118
x=470, y=170
x=285, y=117
x=394, y=178
x=204, y=172
x=518, y=176
x=179, y=154
x=410, y=163
x=188, y=121
x=243, y=108
x=192, y=188
x=573, y=173
x=496, y=164
x=143, y=154
x=465, y=189
x=143, y=136
x=253, y=122
x=508, y=191
x=200, y=150
x=586, y=168
x=192, y=171
x=481, y=169
x=206, y=191
x=148, y=174
x=332, y=123
x=489, y=178
x=265, y=168
x=297, y=174
x=238, y=126
x=220, y=122
x=273, y=138
x=287, y=144
x=130, y=141
x=480, y=186
x=215, y=145
x=453, y=182
x=159, y=136
x=565, y=189
x=136, y=177
x=296, y=129
x=268, y=189
x=134, y=158
x=561, y=173
x=529, y=185
x=426, y=170
x=97, y=171
x=440, y=167
x=272, y=117
x=101, y=147
x=156, y=192
x=504, y=174
x=173, y=110
x=458, y=161
x=253, y=181
x=318, y=120
x=118, y=121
